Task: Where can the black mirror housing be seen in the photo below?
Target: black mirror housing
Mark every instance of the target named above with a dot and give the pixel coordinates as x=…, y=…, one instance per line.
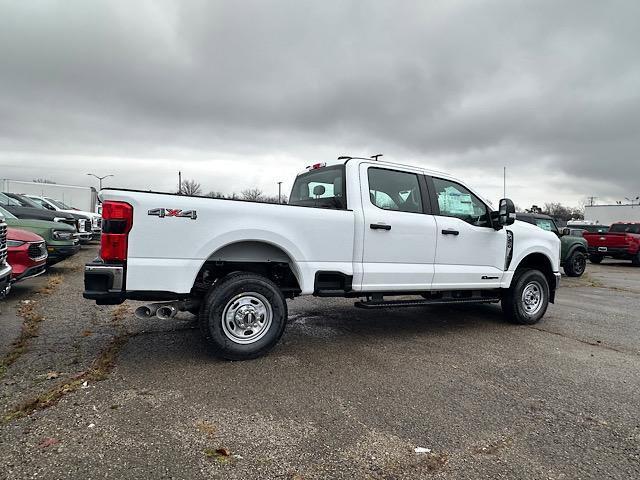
x=507, y=212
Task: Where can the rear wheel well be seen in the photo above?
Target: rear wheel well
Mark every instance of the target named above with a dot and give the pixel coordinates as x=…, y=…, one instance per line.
x=260, y=258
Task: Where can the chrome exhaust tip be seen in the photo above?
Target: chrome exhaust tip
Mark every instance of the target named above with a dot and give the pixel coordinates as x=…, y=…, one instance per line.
x=146, y=311
x=166, y=312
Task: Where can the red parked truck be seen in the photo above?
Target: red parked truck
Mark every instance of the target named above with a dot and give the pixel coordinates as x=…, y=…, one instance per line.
x=27, y=254
x=622, y=242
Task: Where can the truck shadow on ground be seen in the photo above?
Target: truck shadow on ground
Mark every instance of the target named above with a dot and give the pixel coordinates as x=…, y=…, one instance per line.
x=330, y=324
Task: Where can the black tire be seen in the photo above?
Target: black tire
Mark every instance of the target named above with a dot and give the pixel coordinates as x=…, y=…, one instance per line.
x=635, y=260
x=595, y=258
x=575, y=264
x=513, y=301
x=261, y=298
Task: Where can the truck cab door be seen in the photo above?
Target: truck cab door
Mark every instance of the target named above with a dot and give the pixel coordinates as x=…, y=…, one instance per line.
x=399, y=237
x=470, y=253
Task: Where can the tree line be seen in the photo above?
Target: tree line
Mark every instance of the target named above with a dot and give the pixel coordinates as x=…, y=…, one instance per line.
x=558, y=211
x=192, y=187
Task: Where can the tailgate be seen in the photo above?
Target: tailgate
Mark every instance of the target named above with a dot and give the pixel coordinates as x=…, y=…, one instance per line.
x=610, y=240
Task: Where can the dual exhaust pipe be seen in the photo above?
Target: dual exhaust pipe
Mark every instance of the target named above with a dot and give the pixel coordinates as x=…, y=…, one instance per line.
x=164, y=311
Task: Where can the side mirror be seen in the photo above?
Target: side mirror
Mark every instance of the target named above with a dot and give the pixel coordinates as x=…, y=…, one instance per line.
x=507, y=212
x=565, y=231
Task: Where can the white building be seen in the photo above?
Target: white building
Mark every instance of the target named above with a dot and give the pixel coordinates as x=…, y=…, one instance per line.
x=608, y=214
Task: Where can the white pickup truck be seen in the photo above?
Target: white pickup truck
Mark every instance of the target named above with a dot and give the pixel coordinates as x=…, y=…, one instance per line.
x=358, y=228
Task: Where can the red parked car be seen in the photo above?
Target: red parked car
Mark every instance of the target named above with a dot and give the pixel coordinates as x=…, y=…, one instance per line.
x=622, y=241
x=27, y=254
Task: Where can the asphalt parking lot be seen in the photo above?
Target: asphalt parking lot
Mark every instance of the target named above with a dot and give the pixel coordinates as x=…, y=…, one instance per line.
x=91, y=392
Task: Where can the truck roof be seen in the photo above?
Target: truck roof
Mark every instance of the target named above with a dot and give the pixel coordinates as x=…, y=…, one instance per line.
x=384, y=163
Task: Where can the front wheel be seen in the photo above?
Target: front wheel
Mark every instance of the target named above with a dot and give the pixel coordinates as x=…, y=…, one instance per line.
x=243, y=316
x=575, y=264
x=526, y=301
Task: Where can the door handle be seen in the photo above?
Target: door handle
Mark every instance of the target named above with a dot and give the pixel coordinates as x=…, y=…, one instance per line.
x=379, y=226
x=450, y=232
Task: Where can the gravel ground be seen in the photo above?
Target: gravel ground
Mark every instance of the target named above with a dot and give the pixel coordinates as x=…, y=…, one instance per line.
x=94, y=393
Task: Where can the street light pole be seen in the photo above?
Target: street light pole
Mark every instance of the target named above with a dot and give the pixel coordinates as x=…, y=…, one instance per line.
x=99, y=178
x=279, y=192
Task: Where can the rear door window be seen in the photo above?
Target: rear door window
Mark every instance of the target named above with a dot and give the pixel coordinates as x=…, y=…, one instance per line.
x=393, y=190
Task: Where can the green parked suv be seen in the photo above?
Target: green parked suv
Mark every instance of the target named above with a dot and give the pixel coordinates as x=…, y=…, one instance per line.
x=61, y=239
x=573, y=253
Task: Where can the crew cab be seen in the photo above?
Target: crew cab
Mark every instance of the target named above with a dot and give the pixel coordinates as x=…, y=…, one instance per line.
x=359, y=228
x=622, y=242
x=5, y=268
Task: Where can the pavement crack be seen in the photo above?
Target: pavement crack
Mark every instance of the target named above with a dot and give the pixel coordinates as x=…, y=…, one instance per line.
x=585, y=342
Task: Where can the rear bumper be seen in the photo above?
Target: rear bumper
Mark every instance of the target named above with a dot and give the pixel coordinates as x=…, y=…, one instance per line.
x=617, y=252
x=5, y=280
x=104, y=283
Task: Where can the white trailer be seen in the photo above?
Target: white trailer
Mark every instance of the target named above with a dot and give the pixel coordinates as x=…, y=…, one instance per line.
x=608, y=214
x=81, y=198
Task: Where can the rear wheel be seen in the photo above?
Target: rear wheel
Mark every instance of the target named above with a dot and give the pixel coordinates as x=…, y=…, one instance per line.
x=575, y=264
x=243, y=316
x=595, y=258
x=526, y=301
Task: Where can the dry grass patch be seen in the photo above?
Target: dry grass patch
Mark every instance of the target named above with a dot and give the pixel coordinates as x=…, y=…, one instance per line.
x=99, y=370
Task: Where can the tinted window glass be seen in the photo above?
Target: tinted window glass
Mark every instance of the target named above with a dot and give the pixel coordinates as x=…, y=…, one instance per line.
x=391, y=190
x=546, y=224
x=455, y=200
x=625, y=228
x=4, y=200
x=322, y=187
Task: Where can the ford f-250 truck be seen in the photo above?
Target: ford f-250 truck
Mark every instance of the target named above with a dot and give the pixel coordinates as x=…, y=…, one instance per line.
x=359, y=228
x=622, y=242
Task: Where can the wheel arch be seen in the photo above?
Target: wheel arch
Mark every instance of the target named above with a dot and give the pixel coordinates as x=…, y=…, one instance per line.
x=257, y=256
x=540, y=261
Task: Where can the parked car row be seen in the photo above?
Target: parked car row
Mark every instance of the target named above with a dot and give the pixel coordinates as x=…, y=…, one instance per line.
x=32, y=238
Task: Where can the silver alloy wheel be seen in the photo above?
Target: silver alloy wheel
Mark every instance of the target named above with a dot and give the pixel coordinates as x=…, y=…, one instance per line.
x=246, y=318
x=532, y=297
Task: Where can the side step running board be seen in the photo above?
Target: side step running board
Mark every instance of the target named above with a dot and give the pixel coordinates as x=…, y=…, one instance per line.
x=421, y=303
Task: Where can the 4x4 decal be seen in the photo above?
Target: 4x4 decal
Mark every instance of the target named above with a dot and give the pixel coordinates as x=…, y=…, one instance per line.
x=173, y=212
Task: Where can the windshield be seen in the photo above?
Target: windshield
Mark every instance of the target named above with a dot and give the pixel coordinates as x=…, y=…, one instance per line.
x=57, y=203
x=322, y=187
x=25, y=201
x=625, y=228
x=4, y=200
x=7, y=214
x=546, y=224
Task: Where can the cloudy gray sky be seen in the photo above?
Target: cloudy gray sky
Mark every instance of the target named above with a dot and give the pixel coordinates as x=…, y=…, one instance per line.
x=243, y=94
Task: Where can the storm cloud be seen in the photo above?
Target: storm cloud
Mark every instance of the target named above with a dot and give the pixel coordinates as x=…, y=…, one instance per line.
x=243, y=94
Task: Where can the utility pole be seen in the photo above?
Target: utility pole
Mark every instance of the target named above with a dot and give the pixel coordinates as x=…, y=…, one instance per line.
x=179, y=182
x=99, y=178
x=279, y=192
x=591, y=200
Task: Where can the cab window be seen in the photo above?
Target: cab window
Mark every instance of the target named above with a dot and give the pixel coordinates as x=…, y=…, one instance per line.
x=546, y=224
x=454, y=200
x=393, y=190
x=321, y=187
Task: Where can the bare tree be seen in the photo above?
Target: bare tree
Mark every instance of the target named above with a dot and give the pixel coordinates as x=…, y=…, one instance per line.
x=190, y=187
x=215, y=194
x=253, y=194
x=43, y=180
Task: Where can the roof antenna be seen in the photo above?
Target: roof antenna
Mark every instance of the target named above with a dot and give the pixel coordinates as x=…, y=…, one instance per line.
x=375, y=157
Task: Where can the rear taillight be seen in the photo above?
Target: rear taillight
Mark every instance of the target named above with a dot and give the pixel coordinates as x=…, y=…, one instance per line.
x=117, y=222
